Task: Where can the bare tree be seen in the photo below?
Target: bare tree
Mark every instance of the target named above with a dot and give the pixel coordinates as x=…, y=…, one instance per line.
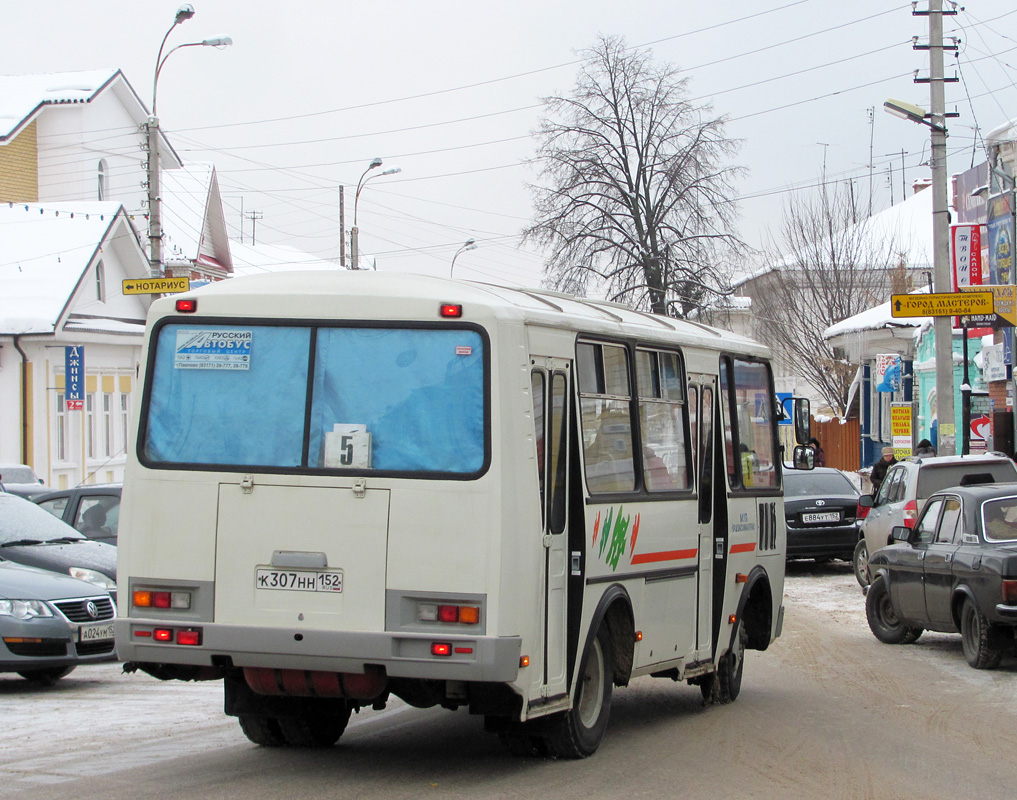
x=829, y=263
x=636, y=196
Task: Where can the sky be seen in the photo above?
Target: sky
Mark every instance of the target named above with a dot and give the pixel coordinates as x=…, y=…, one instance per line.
x=451, y=92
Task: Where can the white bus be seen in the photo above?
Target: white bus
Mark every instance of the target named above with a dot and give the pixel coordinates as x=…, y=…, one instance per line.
x=352, y=485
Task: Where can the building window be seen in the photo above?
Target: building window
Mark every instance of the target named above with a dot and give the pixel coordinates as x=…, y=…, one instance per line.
x=100, y=282
x=103, y=187
x=90, y=425
x=107, y=423
x=61, y=427
x=125, y=418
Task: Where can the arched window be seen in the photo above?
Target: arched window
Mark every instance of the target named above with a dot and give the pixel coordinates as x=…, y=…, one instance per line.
x=103, y=188
x=100, y=282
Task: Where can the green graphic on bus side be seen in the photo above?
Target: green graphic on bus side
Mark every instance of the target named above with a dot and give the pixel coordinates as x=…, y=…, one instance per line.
x=615, y=536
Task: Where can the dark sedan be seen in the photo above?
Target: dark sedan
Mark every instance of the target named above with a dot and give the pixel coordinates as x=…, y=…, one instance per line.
x=92, y=509
x=35, y=538
x=819, y=508
x=955, y=570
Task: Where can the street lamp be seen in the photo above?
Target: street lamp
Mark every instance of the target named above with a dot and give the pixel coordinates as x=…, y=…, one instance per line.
x=942, y=326
x=469, y=244
x=355, y=231
x=184, y=13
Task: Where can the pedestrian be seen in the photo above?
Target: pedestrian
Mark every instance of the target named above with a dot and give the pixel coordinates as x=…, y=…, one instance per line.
x=820, y=457
x=879, y=469
x=925, y=448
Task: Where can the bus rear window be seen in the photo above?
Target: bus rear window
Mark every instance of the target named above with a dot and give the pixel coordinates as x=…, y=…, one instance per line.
x=381, y=399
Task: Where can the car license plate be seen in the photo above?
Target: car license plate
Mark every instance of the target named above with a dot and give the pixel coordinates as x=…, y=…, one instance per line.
x=95, y=633
x=825, y=516
x=300, y=580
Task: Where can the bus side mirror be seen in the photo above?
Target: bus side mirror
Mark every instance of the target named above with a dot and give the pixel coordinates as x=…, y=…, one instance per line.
x=803, y=420
x=804, y=457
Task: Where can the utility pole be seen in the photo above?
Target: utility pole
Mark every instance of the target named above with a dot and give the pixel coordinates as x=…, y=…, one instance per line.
x=254, y=216
x=872, y=132
x=943, y=326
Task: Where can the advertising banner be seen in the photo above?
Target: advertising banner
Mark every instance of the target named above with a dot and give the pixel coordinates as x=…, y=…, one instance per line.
x=966, y=249
x=888, y=374
x=901, y=429
x=74, y=378
x=1001, y=235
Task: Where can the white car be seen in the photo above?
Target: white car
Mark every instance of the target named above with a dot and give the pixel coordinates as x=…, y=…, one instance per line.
x=908, y=484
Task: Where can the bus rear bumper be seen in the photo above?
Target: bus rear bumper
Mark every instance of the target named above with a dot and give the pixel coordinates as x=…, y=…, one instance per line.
x=403, y=655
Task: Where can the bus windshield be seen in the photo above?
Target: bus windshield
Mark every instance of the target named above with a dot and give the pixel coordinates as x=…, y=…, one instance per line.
x=380, y=399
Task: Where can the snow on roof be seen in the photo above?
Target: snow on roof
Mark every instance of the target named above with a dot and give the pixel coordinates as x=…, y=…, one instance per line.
x=265, y=258
x=43, y=253
x=184, y=200
x=21, y=95
x=1007, y=132
x=873, y=319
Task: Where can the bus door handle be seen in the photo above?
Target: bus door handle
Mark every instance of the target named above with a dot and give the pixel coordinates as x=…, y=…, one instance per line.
x=577, y=562
x=718, y=548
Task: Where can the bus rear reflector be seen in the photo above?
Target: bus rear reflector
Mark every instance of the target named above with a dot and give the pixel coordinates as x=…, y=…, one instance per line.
x=189, y=637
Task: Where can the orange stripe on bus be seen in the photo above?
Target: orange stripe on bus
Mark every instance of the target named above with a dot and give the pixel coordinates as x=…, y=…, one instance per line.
x=748, y=547
x=668, y=555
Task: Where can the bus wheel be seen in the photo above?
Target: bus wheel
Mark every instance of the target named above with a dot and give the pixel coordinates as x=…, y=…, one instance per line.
x=263, y=731
x=578, y=732
x=314, y=731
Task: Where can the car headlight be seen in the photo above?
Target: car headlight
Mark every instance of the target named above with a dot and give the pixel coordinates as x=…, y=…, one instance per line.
x=92, y=576
x=24, y=609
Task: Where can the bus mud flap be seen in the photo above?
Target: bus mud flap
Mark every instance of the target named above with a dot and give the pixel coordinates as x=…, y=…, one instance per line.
x=313, y=683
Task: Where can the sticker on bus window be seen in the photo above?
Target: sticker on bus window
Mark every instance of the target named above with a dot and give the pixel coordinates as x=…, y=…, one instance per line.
x=218, y=349
x=464, y=350
x=348, y=447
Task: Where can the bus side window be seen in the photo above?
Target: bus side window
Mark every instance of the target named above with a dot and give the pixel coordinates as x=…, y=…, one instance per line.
x=605, y=400
x=537, y=390
x=662, y=421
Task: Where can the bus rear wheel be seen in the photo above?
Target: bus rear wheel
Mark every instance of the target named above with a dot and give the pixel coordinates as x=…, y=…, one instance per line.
x=263, y=731
x=578, y=732
x=314, y=731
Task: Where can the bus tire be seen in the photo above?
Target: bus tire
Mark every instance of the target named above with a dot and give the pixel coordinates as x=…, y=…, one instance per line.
x=578, y=732
x=314, y=731
x=263, y=731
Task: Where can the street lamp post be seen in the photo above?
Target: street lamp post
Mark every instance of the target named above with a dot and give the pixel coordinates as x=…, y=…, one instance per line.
x=355, y=231
x=184, y=13
x=469, y=244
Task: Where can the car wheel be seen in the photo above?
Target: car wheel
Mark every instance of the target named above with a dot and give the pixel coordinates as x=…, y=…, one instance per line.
x=860, y=561
x=316, y=731
x=263, y=731
x=975, y=638
x=578, y=732
x=45, y=677
x=883, y=620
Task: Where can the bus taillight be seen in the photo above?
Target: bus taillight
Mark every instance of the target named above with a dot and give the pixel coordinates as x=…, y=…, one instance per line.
x=446, y=612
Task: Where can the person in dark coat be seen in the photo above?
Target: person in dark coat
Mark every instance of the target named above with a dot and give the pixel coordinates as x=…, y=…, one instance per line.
x=820, y=459
x=925, y=448
x=880, y=467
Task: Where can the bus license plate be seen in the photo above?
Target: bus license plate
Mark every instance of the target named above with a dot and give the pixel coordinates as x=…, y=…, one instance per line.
x=299, y=580
x=826, y=516
x=95, y=633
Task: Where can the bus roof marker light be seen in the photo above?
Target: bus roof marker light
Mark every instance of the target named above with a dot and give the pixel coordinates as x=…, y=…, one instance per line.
x=186, y=306
x=451, y=310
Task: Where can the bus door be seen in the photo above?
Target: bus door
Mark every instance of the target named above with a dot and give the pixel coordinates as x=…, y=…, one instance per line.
x=550, y=383
x=702, y=402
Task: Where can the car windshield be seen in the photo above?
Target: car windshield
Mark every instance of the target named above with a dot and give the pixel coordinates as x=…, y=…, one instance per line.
x=932, y=479
x=811, y=484
x=22, y=519
x=999, y=519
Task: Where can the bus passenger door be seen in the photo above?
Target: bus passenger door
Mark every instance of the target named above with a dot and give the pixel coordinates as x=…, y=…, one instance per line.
x=550, y=383
x=702, y=390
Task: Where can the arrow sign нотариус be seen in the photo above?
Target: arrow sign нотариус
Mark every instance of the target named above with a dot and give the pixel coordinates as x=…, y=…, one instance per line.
x=156, y=285
x=941, y=305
